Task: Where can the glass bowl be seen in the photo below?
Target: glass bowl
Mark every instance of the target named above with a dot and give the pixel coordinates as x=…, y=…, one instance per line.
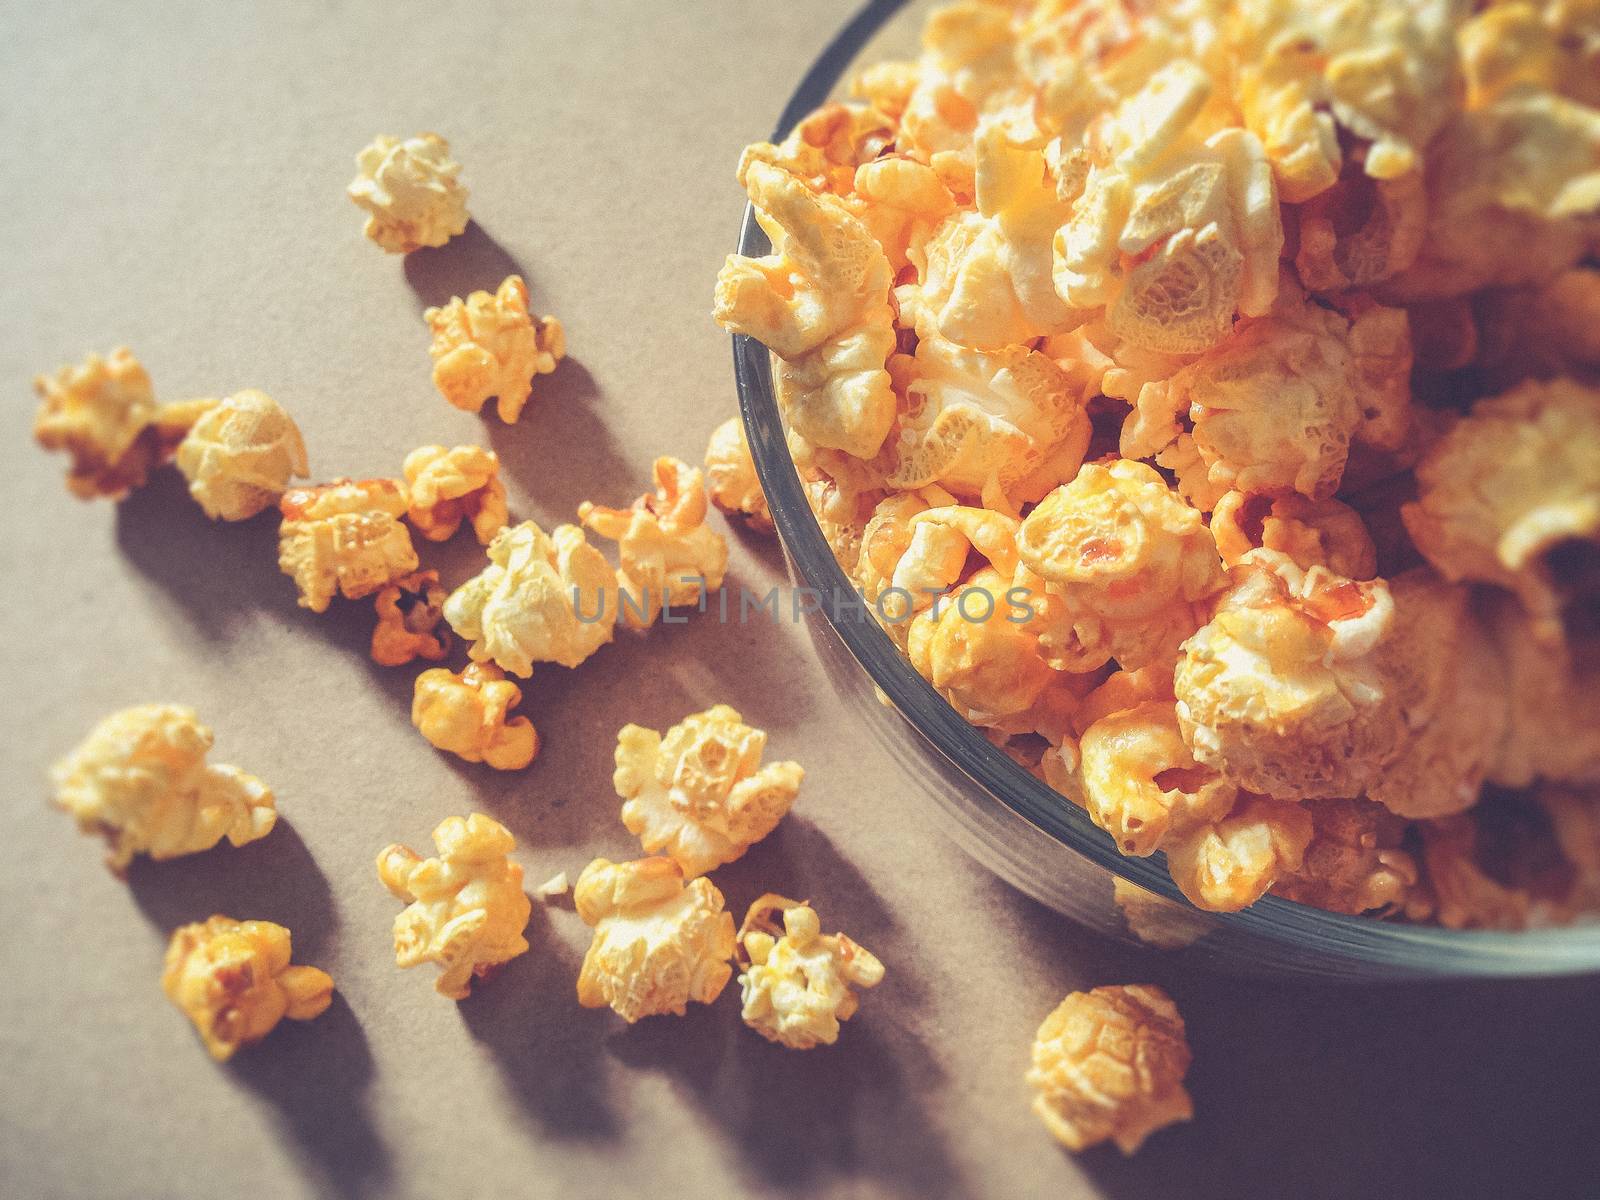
x=1023, y=830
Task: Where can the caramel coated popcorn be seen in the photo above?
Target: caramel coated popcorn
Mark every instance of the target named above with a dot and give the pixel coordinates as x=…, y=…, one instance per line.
x=410, y=621
x=410, y=190
x=795, y=981
x=465, y=712
x=487, y=345
x=731, y=479
x=465, y=909
x=446, y=487
x=234, y=981
x=658, y=942
x=700, y=792
x=1109, y=1064
x=240, y=455
x=140, y=778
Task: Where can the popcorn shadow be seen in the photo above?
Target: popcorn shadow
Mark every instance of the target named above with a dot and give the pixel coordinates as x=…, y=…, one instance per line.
x=470, y=262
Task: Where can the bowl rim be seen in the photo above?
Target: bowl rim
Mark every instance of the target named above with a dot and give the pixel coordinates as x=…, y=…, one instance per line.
x=999, y=779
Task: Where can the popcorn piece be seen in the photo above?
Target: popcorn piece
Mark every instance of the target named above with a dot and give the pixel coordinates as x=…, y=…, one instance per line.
x=903, y=202
x=1310, y=533
x=795, y=984
x=344, y=537
x=700, y=793
x=446, y=487
x=465, y=909
x=1155, y=920
x=731, y=479
x=658, y=943
x=240, y=455
x=828, y=146
x=488, y=345
x=1127, y=557
x=1281, y=690
x=1554, y=694
x=140, y=778
x=410, y=192
x=105, y=415
x=233, y=980
x=1574, y=818
x=410, y=615
x=1509, y=484
x=1393, y=213
x=902, y=566
x=1551, y=45
x=1467, y=897
x=820, y=302
x=1353, y=863
x=1230, y=865
x=465, y=713
x=542, y=598
x=1109, y=1063
x=668, y=555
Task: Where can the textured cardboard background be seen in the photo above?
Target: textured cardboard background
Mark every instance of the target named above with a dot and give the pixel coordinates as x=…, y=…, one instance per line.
x=173, y=180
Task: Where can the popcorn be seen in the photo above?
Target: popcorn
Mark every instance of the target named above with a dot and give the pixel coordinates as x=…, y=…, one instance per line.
x=542, y=598
x=1507, y=486
x=795, y=984
x=446, y=487
x=240, y=455
x=105, y=415
x=488, y=345
x=1109, y=1063
x=465, y=909
x=1230, y=865
x=1393, y=213
x=1309, y=533
x=1353, y=863
x=344, y=537
x=1550, y=45
x=465, y=713
x=731, y=479
x=1129, y=560
x=668, y=555
x=700, y=793
x=233, y=980
x=658, y=943
x=1465, y=894
x=1554, y=693
x=1156, y=921
x=1574, y=818
x=903, y=202
x=410, y=613
x=826, y=148
x=140, y=778
x=409, y=192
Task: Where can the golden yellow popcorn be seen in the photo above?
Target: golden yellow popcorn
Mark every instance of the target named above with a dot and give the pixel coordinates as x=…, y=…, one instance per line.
x=488, y=345
x=731, y=479
x=1309, y=532
x=465, y=909
x=1507, y=486
x=1551, y=45
x=902, y=201
x=667, y=554
x=446, y=487
x=795, y=981
x=465, y=713
x=542, y=598
x=1129, y=559
x=1336, y=252
x=1155, y=920
x=104, y=413
x=410, y=192
x=141, y=779
x=825, y=149
x=658, y=943
x=410, y=613
x=1230, y=865
x=240, y=455
x=233, y=980
x=820, y=302
x=1109, y=1063
x=1353, y=863
x=344, y=538
x=700, y=793
x=920, y=561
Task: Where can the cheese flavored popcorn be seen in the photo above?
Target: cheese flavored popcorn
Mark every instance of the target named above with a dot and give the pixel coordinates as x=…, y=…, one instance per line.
x=140, y=778
x=465, y=909
x=488, y=345
x=446, y=487
x=700, y=793
x=658, y=942
x=410, y=190
x=234, y=981
x=240, y=455
x=795, y=981
x=344, y=538
x=465, y=713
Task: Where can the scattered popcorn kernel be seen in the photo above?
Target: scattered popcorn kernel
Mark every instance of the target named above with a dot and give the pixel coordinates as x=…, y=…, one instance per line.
x=488, y=345
x=1155, y=920
x=410, y=621
x=446, y=487
x=795, y=980
x=104, y=413
x=140, y=778
x=1230, y=865
x=240, y=455
x=1353, y=863
x=658, y=943
x=465, y=909
x=344, y=538
x=410, y=192
x=731, y=479
x=465, y=713
x=700, y=793
x=1308, y=532
x=542, y=598
x=668, y=554
x=556, y=885
x=233, y=980
x=1109, y=1063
